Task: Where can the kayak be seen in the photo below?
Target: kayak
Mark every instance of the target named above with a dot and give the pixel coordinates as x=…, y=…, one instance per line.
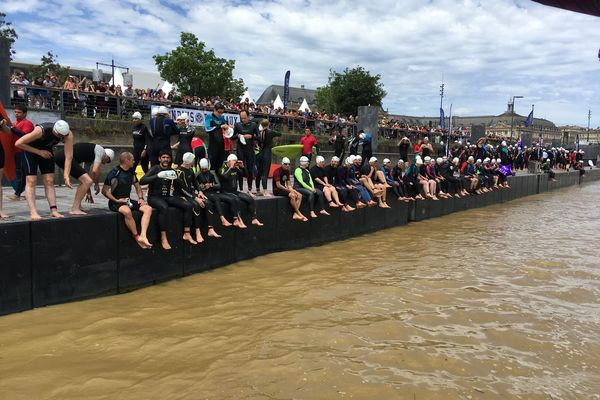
x=288, y=150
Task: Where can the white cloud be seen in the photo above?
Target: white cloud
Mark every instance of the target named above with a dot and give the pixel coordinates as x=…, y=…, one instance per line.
x=487, y=51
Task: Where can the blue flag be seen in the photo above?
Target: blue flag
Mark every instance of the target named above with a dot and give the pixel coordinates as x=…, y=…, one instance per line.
x=286, y=90
x=441, y=118
x=529, y=120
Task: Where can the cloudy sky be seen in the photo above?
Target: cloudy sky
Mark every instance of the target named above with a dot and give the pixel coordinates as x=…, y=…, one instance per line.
x=486, y=51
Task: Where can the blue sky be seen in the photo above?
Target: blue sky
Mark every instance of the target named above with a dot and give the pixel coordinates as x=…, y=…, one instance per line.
x=486, y=51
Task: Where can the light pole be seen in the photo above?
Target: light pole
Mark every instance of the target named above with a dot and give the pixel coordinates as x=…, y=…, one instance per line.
x=588, y=130
x=512, y=117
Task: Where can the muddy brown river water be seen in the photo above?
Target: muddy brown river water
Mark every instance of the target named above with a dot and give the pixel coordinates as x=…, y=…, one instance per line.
x=500, y=302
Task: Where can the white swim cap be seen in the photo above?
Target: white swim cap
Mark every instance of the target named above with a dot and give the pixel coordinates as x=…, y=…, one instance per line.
x=335, y=158
x=320, y=159
x=439, y=160
x=168, y=174
x=232, y=157
x=427, y=159
x=303, y=160
x=373, y=159
x=136, y=115
x=204, y=163
x=285, y=160
x=400, y=161
x=188, y=157
x=184, y=116
x=386, y=161
x=228, y=133
x=110, y=153
x=61, y=127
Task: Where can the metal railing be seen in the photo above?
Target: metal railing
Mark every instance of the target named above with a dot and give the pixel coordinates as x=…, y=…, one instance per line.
x=100, y=105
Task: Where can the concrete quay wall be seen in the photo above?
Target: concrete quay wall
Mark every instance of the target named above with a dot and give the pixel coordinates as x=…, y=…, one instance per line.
x=57, y=261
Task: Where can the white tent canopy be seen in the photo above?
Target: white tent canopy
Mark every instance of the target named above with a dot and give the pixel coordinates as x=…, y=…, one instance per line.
x=304, y=106
x=118, y=78
x=245, y=96
x=278, y=103
x=167, y=87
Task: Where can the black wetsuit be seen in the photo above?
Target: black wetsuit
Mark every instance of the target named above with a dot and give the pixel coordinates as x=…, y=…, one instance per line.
x=331, y=174
x=46, y=142
x=120, y=182
x=141, y=136
x=263, y=158
x=403, y=150
x=161, y=130
x=210, y=185
x=216, y=143
x=229, y=178
x=338, y=145
x=82, y=153
x=186, y=134
x=317, y=172
x=187, y=187
x=343, y=178
x=159, y=197
x=245, y=152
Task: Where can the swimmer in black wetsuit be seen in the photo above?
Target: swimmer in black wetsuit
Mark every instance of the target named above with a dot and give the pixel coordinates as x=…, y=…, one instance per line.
x=229, y=174
x=39, y=152
x=210, y=186
x=141, y=136
x=160, y=181
x=85, y=153
x=186, y=134
x=187, y=188
x=117, y=189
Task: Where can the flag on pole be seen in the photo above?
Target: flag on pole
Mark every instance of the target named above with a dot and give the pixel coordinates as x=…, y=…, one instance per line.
x=529, y=120
x=441, y=118
x=449, y=132
x=286, y=90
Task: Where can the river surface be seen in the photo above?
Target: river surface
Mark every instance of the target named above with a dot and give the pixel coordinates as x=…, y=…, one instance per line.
x=500, y=302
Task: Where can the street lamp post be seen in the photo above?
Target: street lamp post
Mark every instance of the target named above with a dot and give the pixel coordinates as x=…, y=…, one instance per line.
x=588, y=129
x=512, y=116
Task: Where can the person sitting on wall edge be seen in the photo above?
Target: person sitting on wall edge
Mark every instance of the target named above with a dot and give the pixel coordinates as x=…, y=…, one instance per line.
x=187, y=188
x=230, y=173
x=117, y=189
x=282, y=186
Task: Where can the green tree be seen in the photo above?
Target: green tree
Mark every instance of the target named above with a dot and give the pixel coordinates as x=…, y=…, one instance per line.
x=348, y=90
x=49, y=65
x=197, y=71
x=8, y=33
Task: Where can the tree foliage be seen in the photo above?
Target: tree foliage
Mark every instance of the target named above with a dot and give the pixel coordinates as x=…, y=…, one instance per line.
x=348, y=90
x=49, y=65
x=197, y=71
x=7, y=32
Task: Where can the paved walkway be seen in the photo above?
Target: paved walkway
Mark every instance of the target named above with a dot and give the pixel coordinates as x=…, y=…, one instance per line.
x=18, y=210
